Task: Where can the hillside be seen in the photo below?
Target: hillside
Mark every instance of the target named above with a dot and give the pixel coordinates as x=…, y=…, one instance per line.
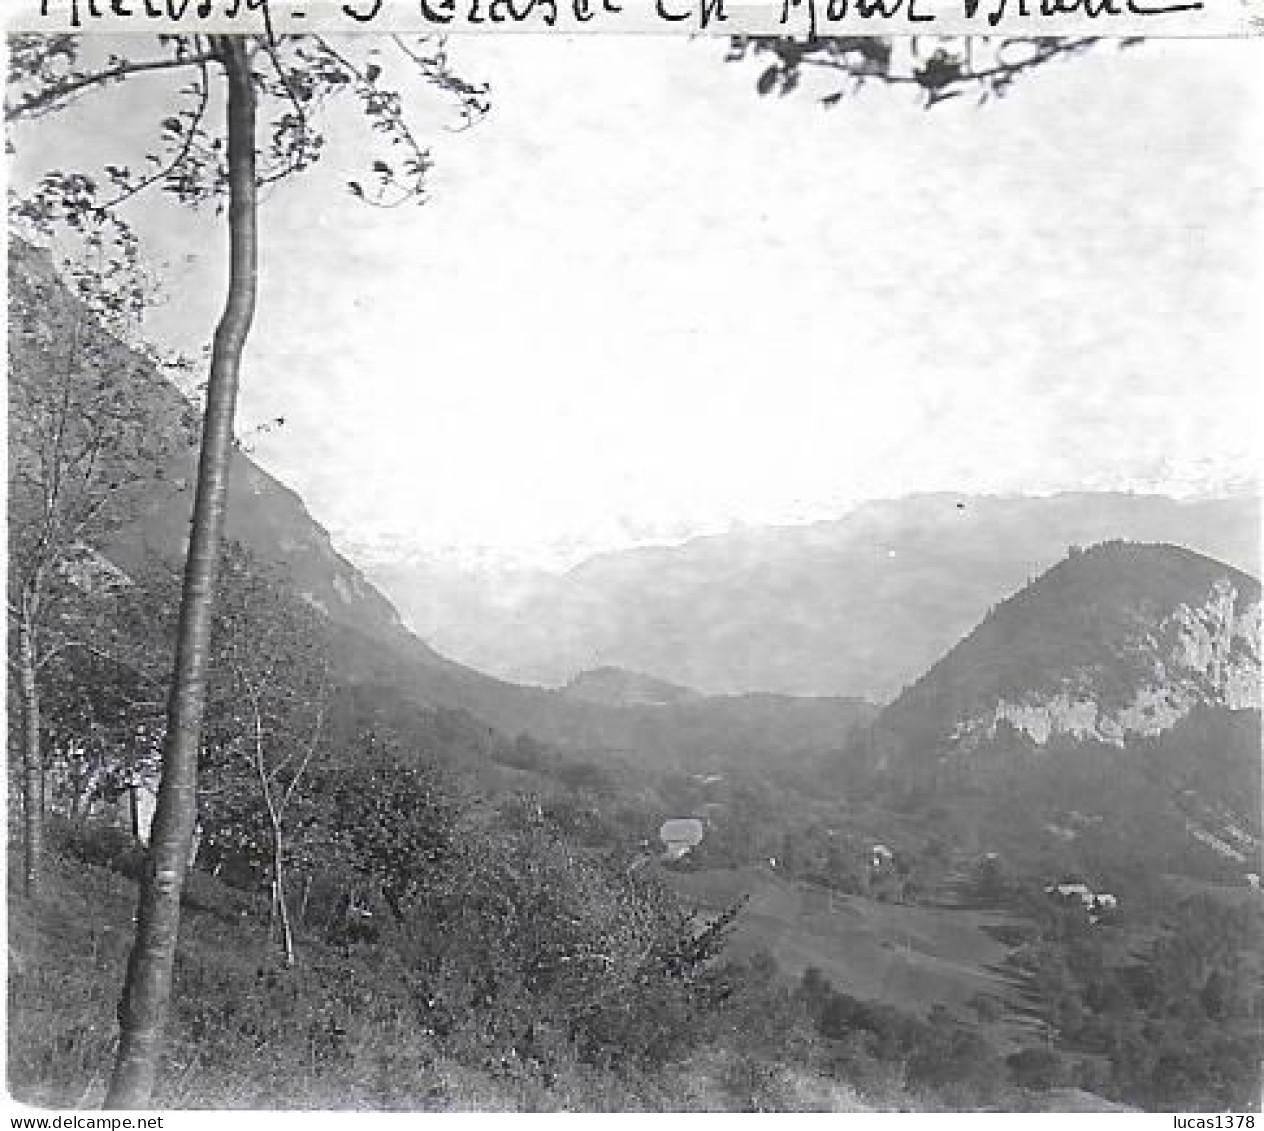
x=263, y=514
x=768, y=730
x=858, y=606
x=1116, y=640
x=1105, y=715
x=339, y=1030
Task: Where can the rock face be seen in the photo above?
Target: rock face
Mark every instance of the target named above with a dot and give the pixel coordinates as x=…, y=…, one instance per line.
x=272, y=521
x=263, y=514
x=1222, y=644
x=1120, y=640
x=1205, y=654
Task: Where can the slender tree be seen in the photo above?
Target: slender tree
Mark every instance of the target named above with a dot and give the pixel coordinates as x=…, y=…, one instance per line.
x=142, y=1012
x=268, y=709
x=80, y=448
x=294, y=76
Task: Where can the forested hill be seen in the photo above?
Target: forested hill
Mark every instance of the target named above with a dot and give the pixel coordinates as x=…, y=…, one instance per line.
x=1120, y=638
x=1106, y=717
x=264, y=515
x=620, y=687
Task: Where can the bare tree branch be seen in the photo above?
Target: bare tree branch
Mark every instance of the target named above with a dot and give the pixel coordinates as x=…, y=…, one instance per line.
x=186, y=147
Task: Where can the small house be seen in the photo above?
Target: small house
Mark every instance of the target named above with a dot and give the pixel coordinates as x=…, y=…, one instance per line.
x=133, y=810
x=679, y=835
x=1069, y=890
x=135, y=806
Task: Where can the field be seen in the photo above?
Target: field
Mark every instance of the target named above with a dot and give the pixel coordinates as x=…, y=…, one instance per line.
x=904, y=956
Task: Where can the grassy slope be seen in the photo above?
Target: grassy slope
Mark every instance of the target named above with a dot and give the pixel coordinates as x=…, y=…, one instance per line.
x=338, y=1033
x=905, y=956
x=335, y=1034
x=243, y=1035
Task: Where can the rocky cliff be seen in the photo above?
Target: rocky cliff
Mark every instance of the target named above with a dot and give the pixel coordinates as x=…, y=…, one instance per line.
x=1121, y=640
x=1203, y=654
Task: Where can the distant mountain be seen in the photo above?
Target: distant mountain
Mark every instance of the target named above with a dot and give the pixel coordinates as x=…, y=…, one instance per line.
x=859, y=606
x=620, y=687
x=1110, y=705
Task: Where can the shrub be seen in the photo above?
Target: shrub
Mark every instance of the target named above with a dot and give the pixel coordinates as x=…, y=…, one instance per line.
x=531, y=950
x=100, y=844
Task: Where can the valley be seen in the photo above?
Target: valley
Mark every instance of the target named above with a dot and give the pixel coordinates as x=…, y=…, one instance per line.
x=902, y=955
x=465, y=898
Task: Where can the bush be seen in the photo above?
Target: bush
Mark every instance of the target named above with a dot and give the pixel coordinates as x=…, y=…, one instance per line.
x=390, y=821
x=100, y=844
x=533, y=950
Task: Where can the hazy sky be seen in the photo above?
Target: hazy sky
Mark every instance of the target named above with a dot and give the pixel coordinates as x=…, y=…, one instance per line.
x=643, y=302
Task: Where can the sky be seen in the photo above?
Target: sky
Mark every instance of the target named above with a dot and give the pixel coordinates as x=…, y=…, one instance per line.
x=643, y=303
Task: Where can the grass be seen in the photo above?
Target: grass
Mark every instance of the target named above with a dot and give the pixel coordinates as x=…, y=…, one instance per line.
x=909, y=957
x=340, y=1032
x=244, y=1034
x=344, y=1031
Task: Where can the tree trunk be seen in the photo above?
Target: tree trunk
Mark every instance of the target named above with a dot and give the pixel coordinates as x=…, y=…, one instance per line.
x=32, y=762
x=302, y=907
x=278, y=912
x=143, y=1009
x=278, y=878
x=287, y=934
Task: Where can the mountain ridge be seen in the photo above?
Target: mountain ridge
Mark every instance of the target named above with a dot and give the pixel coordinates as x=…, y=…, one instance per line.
x=619, y=686
x=765, y=607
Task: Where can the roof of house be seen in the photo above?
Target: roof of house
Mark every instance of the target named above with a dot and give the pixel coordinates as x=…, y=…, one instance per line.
x=1067, y=889
x=686, y=830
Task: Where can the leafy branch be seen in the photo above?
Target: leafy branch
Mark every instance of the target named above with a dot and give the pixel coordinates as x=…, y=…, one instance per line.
x=945, y=69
